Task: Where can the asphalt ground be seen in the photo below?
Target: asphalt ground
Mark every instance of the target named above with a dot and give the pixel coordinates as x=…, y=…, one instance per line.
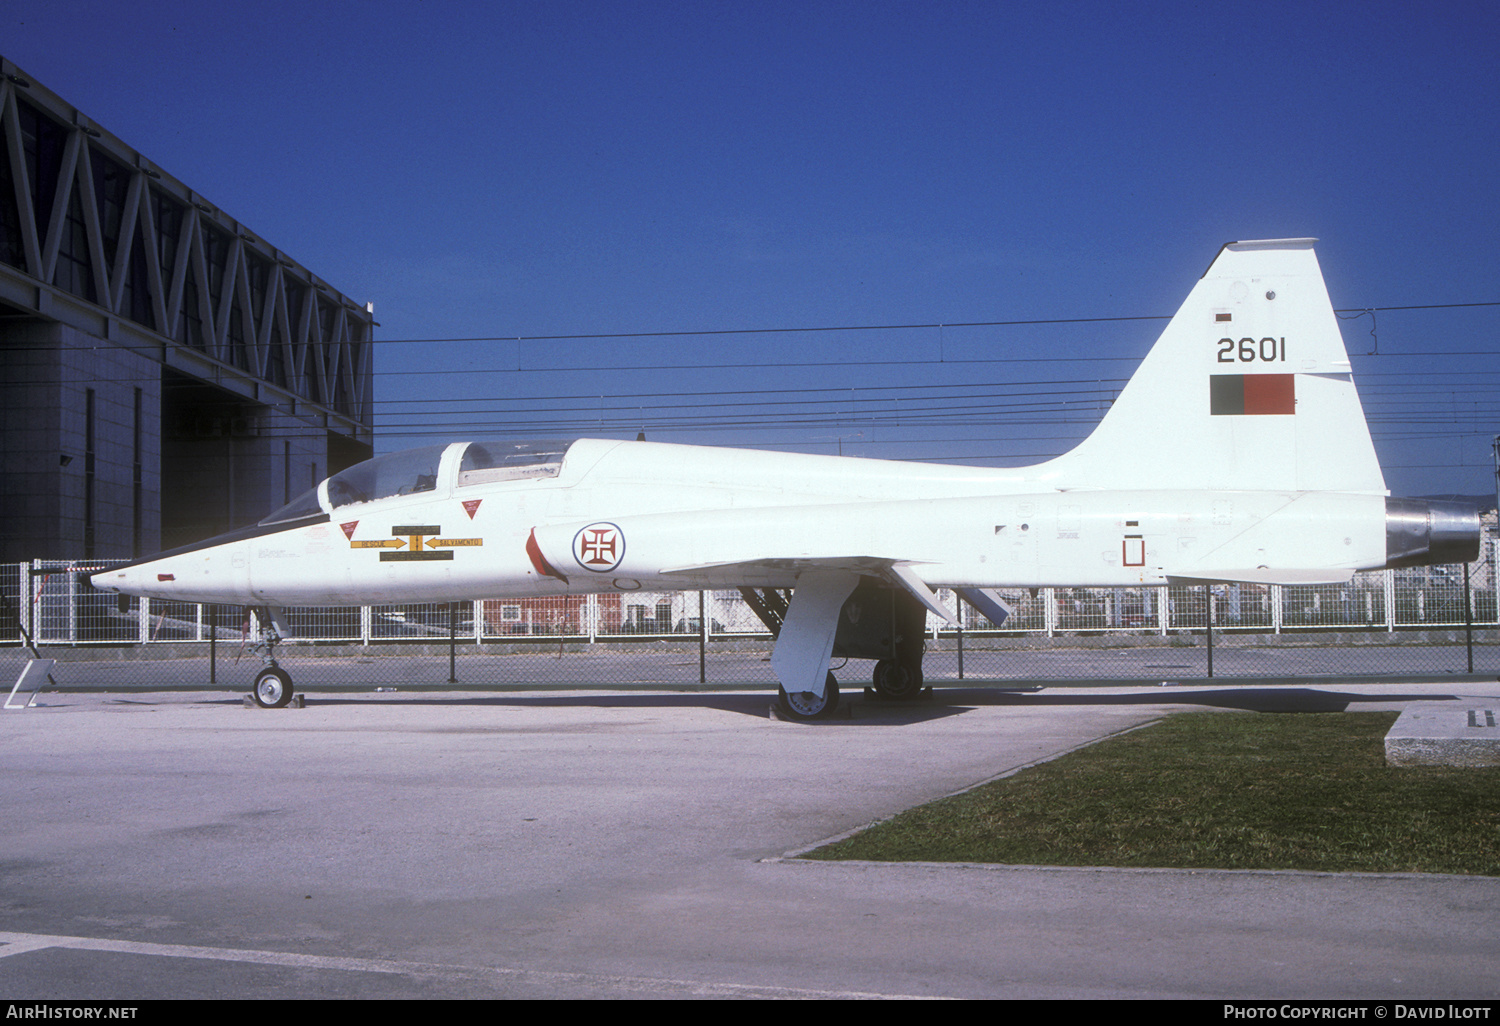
x=641, y=843
x=652, y=663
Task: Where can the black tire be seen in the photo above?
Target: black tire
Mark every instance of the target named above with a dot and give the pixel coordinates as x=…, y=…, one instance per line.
x=804, y=705
x=897, y=682
x=273, y=688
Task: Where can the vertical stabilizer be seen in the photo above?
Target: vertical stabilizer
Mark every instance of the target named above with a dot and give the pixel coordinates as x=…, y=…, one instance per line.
x=1249, y=387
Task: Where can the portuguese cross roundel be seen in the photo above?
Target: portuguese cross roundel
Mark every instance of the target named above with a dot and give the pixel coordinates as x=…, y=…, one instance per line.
x=599, y=547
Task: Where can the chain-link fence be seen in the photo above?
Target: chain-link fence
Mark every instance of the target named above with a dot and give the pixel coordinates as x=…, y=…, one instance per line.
x=1426, y=621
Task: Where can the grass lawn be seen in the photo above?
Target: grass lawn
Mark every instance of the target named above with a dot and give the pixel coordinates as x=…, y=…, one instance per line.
x=1215, y=790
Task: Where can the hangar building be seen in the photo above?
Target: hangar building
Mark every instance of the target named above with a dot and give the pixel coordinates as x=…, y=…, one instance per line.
x=165, y=373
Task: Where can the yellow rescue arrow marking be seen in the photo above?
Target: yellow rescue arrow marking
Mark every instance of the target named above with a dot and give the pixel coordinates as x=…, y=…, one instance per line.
x=414, y=538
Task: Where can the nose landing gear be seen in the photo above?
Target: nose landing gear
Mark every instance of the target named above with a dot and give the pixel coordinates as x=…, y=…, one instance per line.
x=273, y=685
x=273, y=688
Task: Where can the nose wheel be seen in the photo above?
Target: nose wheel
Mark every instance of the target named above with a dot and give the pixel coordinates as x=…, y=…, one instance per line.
x=273, y=685
x=273, y=688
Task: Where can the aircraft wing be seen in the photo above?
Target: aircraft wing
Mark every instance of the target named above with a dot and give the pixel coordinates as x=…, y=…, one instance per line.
x=896, y=572
x=873, y=566
x=1260, y=575
x=822, y=584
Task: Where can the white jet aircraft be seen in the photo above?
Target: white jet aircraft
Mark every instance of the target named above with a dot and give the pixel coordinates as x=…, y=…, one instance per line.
x=1238, y=452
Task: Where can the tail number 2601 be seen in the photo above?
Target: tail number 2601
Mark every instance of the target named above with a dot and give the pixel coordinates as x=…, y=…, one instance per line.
x=1248, y=350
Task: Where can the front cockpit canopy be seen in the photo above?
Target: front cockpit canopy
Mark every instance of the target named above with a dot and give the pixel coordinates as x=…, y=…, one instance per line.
x=413, y=471
x=397, y=473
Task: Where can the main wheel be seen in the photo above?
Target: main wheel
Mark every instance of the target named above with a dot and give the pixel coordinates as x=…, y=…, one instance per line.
x=898, y=682
x=804, y=705
x=273, y=688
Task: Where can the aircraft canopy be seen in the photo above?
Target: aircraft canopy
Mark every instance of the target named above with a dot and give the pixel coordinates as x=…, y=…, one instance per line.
x=412, y=471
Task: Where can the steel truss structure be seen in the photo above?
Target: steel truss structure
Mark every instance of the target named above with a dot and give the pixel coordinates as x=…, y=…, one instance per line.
x=84, y=213
x=147, y=335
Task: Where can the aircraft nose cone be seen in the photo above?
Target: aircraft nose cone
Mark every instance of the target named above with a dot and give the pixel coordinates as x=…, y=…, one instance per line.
x=166, y=577
x=130, y=580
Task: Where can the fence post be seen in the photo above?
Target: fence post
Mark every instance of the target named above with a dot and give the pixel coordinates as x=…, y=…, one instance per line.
x=1468, y=619
x=1209, y=588
x=958, y=603
x=1389, y=585
x=24, y=599
x=1049, y=610
x=142, y=620
x=593, y=614
x=479, y=621
x=365, y=618
x=452, y=642
x=702, y=637
x=1495, y=575
x=72, y=605
x=1277, y=618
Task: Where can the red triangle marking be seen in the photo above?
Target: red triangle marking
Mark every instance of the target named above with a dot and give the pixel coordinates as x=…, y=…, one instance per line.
x=471, y=506
x=349, y=529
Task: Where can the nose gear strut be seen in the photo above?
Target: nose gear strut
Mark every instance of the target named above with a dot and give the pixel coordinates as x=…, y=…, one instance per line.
x=273, y=685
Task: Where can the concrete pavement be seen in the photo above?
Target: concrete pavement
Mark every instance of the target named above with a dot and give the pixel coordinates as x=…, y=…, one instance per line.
x=612, y=843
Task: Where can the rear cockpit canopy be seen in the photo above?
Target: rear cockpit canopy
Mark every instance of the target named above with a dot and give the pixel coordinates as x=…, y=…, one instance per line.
x=487, y=462
x=413, y=471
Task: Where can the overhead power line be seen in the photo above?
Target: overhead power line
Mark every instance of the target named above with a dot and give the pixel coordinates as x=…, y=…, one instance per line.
x=933, y=325
x=1017, y=323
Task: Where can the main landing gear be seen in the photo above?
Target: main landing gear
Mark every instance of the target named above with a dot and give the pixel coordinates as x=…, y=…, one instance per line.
x=898, y=681
x=871, y=620
x=273, y=685
x=894, y=681
x=804, y=705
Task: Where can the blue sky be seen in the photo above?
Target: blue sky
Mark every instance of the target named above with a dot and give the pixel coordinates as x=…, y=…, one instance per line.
x=518, y=169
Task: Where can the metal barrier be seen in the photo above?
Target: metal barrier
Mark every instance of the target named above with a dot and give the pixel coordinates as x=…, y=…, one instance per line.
x=1422, y=613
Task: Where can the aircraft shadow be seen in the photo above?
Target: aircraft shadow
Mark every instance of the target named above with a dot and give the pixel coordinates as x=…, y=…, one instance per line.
x=858, y=709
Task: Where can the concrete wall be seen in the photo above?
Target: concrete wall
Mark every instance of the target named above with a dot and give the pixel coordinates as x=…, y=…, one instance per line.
x=138, y=282
x=51, y=507
x=227, y=463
